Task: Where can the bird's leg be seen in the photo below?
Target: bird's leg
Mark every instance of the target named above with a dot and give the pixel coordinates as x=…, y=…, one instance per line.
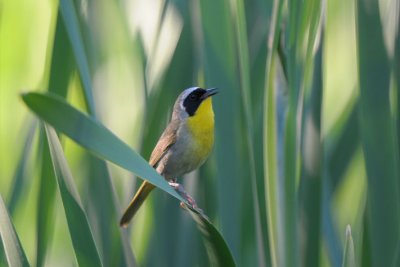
x=179, y=188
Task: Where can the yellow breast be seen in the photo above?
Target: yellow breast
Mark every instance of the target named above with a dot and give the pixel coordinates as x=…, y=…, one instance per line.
x=201, y=127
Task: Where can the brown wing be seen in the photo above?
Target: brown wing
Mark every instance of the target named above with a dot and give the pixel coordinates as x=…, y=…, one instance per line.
x=166, y=140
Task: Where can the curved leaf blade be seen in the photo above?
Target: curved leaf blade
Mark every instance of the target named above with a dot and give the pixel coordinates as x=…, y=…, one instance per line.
x=82, y=238
x=93, y=136
x=217, y=249
x=12, y=247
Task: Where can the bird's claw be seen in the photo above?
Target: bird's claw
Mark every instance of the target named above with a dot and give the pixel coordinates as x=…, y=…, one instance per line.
x=179, y=188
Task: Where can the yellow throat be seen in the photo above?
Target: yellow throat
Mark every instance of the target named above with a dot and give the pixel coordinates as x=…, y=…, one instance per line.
x=201, y=126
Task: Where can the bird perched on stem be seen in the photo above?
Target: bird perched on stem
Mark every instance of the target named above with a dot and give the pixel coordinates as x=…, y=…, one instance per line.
x=184, y=145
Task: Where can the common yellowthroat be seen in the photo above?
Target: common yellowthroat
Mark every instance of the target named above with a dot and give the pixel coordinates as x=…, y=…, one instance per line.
x=184, y=145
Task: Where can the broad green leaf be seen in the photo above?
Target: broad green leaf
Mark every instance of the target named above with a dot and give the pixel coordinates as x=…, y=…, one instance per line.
x=378, y=136
x=79, y=229
x=100, y=141
x=348, y=254
x=12, y=246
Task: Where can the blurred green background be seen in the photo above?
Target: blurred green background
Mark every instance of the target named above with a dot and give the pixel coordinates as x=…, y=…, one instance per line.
x=307, y=127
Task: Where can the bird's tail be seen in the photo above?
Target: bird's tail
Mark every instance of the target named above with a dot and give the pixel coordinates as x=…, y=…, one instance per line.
x=136, y=202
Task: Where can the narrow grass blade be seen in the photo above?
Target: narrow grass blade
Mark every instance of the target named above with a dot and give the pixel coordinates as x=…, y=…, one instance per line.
x=19, y=179
x=378, y=136
x=12, y=246
x=311, y=152
x=366, y=246
x=341, y=146
x=47, y=191
x=339, y=149
x=96, y=138
x=104, y=216
x=82, y=238
x=62, y=66
x=62, y=60
x=2, y=256
x=396, y=73
x=333, y=243
x=69, y=13
x=270, y=144
x=220, y=64
x=113, y=246
x=243, y=51
x=348, y=254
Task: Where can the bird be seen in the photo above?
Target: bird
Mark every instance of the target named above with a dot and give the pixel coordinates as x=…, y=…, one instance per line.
x=184, y=145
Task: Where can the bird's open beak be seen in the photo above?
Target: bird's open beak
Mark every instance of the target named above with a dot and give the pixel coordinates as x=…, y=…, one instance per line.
x=209, y=92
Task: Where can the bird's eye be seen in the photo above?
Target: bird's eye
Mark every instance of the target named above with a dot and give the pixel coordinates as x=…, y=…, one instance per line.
x=193, y=97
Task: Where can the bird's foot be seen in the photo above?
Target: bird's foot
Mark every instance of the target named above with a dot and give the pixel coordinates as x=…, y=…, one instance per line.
x=179, y=188
x=175, y=185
